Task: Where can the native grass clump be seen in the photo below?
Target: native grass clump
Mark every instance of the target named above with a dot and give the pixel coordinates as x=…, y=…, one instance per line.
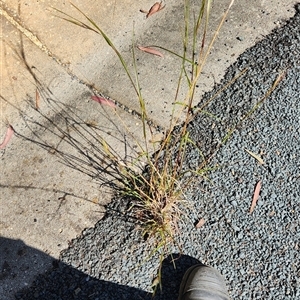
x=158, y=190
x=156, y=179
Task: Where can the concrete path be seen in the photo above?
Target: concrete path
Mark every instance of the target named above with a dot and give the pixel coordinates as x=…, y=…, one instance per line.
x=56, y=66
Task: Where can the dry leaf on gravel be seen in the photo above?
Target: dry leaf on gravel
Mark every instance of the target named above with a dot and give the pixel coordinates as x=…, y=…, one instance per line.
x=156, y=7
x=103, y=101
x=150, y=50
x=255, y=196
x=200, y=223
x=256, y=156
x=8, y=135
x=272, y=213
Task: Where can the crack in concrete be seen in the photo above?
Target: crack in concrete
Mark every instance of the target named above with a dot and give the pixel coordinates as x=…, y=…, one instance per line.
x=6, y=13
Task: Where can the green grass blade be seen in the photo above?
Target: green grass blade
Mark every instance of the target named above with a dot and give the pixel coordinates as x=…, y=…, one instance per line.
x=102, y=33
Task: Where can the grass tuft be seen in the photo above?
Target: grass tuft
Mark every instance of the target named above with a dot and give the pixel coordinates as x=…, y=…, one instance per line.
x=158, y=191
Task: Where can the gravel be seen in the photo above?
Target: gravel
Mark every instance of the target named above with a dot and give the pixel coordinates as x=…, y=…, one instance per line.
x=258, y=253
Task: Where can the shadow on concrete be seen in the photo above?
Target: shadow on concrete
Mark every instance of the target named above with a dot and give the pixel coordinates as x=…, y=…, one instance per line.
x=65, y=282
x=67, y=132
x=86, y=137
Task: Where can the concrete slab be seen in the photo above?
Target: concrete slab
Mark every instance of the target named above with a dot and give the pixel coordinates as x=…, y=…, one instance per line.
x=35, y=186
x=43, y=202
x=92, y=61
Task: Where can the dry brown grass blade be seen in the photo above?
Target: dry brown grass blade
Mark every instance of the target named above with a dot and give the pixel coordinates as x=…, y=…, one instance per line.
x=200, y=223
x=8, y=136
x=37, y=99
x=156, y=7
x=150, y=51
x=255, y=196
x=256, y=156
x=103, y=101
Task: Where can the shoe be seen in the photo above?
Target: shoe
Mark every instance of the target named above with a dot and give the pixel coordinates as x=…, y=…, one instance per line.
x=201, y=282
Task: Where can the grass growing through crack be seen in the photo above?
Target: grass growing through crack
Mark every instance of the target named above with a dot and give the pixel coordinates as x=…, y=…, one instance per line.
x=159, y=191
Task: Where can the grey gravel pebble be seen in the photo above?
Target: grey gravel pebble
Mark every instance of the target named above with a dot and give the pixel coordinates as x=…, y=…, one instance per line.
x=258, y=253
